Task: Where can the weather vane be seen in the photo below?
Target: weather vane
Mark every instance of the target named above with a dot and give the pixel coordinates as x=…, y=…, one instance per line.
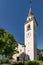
x=30, y=3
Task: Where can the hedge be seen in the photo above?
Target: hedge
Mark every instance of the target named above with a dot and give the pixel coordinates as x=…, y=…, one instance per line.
x=4, y=60
x=33, y=63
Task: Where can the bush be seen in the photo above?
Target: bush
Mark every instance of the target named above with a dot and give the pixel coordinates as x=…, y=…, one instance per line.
x=4, y=60
x=32, y=63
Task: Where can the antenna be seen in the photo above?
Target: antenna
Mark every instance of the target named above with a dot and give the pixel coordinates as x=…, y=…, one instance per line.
x=30, y=3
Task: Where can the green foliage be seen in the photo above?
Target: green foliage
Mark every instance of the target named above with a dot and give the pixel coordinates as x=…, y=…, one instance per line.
x=4, y=60
x=33, y=63
x=7, y=43
x=40, y=52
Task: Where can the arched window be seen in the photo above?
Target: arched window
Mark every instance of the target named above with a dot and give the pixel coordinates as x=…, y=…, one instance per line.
x=28, y=27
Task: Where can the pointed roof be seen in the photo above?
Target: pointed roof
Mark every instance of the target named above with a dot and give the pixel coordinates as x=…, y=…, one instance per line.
x=30, y=16
x=30, y=12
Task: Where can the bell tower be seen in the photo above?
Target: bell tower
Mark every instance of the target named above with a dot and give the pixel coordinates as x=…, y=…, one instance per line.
x=30, y=37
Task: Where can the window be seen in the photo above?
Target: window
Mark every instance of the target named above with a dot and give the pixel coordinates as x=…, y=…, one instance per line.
x=28, y=27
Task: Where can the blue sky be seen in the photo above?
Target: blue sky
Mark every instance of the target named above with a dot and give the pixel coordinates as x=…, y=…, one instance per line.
x=13, y=14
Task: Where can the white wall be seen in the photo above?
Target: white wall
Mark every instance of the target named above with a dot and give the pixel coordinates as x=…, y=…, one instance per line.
x=29, y=40
x=20, y=49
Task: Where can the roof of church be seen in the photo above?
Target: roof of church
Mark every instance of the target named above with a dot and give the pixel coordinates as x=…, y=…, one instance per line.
x=21, y=44
x=30, y=12
x=32, y=17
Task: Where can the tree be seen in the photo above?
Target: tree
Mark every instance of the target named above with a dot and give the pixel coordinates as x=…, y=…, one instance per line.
x=7, y=43
x=41, y=53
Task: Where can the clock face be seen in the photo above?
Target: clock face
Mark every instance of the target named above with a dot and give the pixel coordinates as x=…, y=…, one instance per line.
x=28, y=34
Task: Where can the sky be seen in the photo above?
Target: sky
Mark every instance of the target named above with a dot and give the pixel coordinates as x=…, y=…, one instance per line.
x=13, y=14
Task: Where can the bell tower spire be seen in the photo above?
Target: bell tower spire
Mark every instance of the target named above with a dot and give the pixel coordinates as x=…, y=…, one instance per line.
x=30, y=15
x=30, y=3
x=30, y=6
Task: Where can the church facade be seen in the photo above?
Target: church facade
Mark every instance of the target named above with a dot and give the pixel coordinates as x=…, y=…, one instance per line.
x=28, y=50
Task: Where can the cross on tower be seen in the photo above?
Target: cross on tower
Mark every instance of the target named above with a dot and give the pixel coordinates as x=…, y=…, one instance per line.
x=30, y=3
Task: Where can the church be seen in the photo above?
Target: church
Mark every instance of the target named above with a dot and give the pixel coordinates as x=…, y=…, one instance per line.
x=28, y=50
